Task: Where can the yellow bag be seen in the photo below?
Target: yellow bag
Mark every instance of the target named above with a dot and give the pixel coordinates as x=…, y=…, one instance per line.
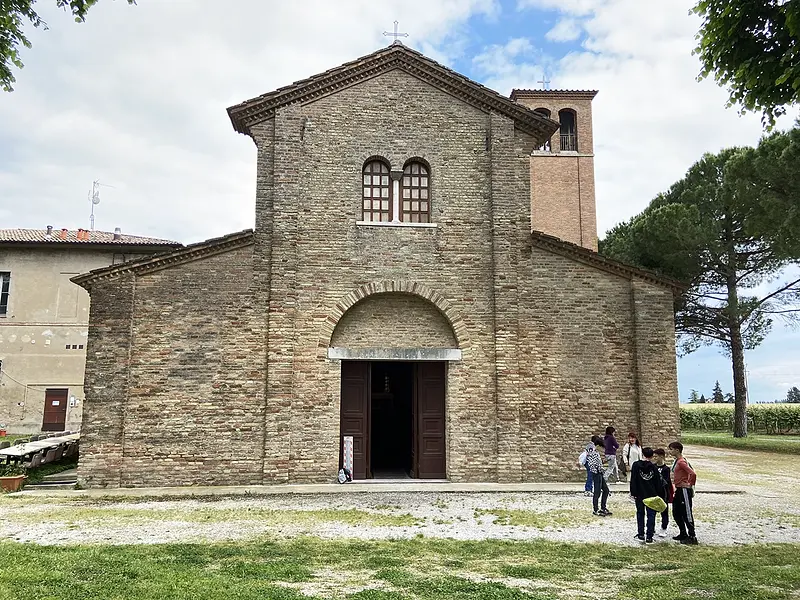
x=656, y=503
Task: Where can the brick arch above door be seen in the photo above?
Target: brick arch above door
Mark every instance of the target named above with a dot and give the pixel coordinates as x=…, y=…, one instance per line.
x=387, y=289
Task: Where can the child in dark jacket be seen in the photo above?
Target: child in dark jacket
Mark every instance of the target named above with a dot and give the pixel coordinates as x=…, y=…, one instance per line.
x=660, y=457
x=645, y=483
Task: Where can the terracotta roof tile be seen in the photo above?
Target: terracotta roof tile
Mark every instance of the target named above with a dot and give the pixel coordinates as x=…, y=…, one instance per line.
x=516, y=93
x=39, y=236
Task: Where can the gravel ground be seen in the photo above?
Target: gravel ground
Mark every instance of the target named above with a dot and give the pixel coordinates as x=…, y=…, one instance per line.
x=760, y=514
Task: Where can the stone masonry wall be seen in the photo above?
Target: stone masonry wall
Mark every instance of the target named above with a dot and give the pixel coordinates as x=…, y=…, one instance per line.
x=578, y=367
x=393, y=321
x=195, y=412
x=106, y=382
x=320, y=150
x=657, y=378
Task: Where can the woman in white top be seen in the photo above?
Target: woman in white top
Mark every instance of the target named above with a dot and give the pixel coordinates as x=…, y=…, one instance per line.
x=631, y=451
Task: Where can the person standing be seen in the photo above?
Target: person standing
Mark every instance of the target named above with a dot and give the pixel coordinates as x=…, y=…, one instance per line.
x=684, y=478
x=587, y=487
x=645, y=483
x=659, y=458
x=610, y=447
x=595, y=461
x=631, y=452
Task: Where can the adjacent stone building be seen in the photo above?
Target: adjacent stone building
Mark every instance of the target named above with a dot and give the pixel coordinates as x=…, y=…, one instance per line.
x=44, y=320
x=418, y=278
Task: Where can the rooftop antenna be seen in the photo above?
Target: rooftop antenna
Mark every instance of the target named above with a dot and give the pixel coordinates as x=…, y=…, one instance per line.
x=94, y=198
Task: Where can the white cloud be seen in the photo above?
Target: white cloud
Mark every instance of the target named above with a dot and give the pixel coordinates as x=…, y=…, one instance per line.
x=566, y=30
x=577, y=8
x=136, y=97
x=652, y=118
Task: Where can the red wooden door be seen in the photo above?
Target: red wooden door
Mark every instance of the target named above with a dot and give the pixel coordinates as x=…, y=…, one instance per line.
x=55, y=410
x=429, y=442
x=354, y=418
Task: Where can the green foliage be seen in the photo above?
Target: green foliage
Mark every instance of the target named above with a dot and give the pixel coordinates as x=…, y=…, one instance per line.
x=753, y=48
x=694, y=397
x=778, y=444
x=432, y=569
x=728, y=229
x=11, y=470
x=761, y=418
x=39, y=473
x=14, y=14
x=716, y=395
x=793, y=395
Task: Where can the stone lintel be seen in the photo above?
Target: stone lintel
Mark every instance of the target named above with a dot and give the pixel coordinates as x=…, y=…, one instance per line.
x=407, y=354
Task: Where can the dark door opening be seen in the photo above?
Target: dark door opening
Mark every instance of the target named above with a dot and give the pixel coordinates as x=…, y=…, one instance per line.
x=394, y=411
x=390, y=436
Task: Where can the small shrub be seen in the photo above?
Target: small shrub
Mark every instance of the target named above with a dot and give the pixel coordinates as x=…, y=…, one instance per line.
x=11, y=470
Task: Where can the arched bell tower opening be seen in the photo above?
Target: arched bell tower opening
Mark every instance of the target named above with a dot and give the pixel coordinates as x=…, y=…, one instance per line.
x=394, y=350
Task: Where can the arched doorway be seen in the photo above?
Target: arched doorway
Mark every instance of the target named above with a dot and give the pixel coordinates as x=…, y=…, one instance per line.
x=394, y=349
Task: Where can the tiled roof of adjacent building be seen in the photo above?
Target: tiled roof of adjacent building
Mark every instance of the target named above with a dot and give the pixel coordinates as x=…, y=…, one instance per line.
x=40, y=236
x=395, y=56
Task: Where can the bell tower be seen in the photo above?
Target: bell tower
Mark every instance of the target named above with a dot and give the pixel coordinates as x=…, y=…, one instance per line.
x=562, y=170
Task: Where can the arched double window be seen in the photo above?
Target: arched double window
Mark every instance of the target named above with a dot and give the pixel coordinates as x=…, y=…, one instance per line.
x=569, y=130
x=545, y=113
x=415, y=194
x=377, y=192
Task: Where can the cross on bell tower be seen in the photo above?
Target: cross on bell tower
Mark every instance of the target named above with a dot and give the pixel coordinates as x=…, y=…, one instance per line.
x=395, y=35
x=545, y=82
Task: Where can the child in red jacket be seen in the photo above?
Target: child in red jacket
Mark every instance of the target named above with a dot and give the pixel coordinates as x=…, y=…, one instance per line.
x=684, y=478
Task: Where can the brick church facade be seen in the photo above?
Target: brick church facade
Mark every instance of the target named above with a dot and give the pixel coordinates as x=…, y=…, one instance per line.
x=422, y=276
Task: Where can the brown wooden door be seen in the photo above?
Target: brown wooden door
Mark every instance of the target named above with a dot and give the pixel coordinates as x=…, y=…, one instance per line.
x=55, y=409
x=429, y=442
x=355, y=414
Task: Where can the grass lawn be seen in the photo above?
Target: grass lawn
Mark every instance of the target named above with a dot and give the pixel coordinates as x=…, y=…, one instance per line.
x=311, y=568
x=784, y=444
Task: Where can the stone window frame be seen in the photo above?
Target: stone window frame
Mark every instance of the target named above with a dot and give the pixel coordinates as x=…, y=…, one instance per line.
x=415, y=187
x=376, y=196
x=5, y=292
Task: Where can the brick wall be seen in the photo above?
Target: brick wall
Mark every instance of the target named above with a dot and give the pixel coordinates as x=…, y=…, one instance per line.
x=232, y=348
x=393, y=321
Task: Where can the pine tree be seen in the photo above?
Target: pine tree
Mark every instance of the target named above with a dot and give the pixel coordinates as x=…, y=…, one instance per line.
x=717, y=395
x=793, y=395
x=694, y=397
x=702, y=399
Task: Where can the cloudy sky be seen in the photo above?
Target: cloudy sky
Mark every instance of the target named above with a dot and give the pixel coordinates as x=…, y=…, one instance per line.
x=136, y=98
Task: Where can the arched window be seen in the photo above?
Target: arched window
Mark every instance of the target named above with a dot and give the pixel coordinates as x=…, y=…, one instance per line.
x=416, y=207
x=569, y=131
x=377, y=192
x=545, y=113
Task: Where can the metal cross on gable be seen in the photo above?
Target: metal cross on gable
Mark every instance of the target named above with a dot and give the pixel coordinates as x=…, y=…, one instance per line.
x=395, y=35
x=545, y=83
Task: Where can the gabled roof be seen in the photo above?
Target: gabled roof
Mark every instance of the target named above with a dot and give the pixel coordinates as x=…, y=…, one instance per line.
x=597, y=260
x=396, y=56
x=168, y=259
x=39, y=236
